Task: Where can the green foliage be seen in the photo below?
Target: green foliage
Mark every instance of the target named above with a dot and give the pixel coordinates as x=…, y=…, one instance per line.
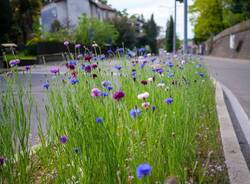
x=59, y=36
x=151, y=33
x=170, y=34
x=92, y=29
x=207, y=18
x=212, y=16
x=127, y=33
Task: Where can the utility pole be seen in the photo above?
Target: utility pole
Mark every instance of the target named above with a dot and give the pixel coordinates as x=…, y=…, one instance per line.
x=174, y=35
x=185, y=27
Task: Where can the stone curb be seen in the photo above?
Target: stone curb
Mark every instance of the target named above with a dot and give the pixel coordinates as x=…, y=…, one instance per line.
x=237, y=168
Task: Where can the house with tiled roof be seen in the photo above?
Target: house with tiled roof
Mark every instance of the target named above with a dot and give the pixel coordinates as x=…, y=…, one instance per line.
x=67, y=12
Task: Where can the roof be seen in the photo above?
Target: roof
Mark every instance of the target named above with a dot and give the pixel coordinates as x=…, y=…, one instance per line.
x=102, y=6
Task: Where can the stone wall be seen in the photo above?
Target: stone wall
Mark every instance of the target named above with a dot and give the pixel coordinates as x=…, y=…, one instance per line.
x=240, y=47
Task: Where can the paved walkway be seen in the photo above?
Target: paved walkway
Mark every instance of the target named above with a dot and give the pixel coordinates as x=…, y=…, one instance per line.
x=233, y=73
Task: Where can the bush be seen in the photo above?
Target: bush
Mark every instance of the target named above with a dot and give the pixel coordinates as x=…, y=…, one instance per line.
x=91, y=29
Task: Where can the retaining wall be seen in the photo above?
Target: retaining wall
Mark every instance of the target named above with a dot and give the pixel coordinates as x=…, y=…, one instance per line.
x=220, y=45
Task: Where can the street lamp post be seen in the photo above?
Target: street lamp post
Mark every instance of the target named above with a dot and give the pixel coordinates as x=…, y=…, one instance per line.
x=174, y=35
x=185, y=27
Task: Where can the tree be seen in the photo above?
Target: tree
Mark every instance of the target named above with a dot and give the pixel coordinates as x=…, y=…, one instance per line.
x=25, y=13
x=151, y=33
x=91, y=29
x=5, y=19
x=126, y=30
x=207, y=18
x=170, y=34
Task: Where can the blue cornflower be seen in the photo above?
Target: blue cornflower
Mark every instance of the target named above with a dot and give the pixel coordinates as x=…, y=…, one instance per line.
x=133, y=74
x=98, y=120
x=109, y=51
x=135, y=113
x=74, y=81
x=142, y=65
x=46, y=85
x=141, y=50
x=118, y=67
x=72, y=62
x=119, y=50
x=201, y=74
x=153, y=108
x=143, y=170
x=76, y=150
x=159, y=70
x=105, y=84
x=170, y=64
x=109, y=88
x=170, y=75
x=105, y=94
x=169, y=100
x=102, y=57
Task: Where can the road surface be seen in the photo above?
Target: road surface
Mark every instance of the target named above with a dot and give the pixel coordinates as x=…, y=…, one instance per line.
x=233, y=73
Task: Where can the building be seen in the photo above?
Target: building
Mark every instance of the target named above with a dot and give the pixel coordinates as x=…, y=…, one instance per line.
x=67, y=12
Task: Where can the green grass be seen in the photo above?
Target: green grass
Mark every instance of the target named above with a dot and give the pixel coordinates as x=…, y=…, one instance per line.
x=179, y=139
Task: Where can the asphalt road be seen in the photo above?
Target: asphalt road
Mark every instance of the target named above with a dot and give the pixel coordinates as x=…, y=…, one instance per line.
x=233, y=73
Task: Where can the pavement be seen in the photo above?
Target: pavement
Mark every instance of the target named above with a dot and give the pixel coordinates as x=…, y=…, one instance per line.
x=39, y=74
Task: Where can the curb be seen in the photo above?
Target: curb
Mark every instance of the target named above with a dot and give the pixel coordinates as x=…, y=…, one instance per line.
x=240, y=114
x=237, y=168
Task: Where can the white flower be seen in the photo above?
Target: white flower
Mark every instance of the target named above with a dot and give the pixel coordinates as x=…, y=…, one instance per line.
x=143, y=96
x=150, y=79
x=183, y=62
x=160, y=85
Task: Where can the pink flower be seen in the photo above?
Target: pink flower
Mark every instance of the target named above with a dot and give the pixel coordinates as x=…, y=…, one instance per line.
x=54, y=70
x=66, y=43
x=95, y=92
x=118, y=95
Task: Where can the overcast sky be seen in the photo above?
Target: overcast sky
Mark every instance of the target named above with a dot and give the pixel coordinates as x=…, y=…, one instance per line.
x=162, y=9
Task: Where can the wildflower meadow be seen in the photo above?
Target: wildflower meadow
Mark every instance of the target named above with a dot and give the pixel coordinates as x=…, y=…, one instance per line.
x=115, y=118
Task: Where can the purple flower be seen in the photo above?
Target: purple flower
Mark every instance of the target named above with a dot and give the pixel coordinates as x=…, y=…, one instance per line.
x=117, y=67
x=55, y=70
x=27, y=68
x=87, y=69
x=99, y=120
x=118, y=95
x=95, y=92
x=169, y=100
x=110, y=51
x=201, y=74
x=14, y=62
x=170, y=75
x=79, y=56
x=63, y=139
x=2, y=160
x=66, y=43
x=46, y=85
x=77, y=46
x=135, y=112
x=143, y=170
